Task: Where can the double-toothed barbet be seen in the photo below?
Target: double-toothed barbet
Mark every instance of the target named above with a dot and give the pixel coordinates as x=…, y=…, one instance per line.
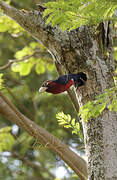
x=63, y=83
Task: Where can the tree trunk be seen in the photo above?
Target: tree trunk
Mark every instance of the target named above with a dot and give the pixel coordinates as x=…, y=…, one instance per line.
x=83, y=50
x=100, y=133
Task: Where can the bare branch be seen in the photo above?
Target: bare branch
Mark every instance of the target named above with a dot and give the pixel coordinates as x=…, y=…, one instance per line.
x=75, y=162
x=6, y=65
x=10, y=62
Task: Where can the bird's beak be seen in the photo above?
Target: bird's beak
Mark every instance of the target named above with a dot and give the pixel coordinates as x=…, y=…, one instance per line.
x=42, y=89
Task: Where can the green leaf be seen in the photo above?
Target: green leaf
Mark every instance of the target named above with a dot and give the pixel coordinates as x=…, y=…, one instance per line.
x=110, y=107
x=49, y=19
x=77, y=126
x=68, y=118
x=114, y=103
x=24, y=52
x=1, y=80
x=96, y=107
x=74, y=13
x=57, y=19
x=6, y=129
x=7, y=24
x=115, y=54
x=15, y=67
x=73, y=122
x=47, y=12
x=74, y=132
x=25, y=68
x=61, y=122
x=65, y=120
x=67, y=126
x=33, y=45
x=40, y=69
x=50, y=67
x=6, y=139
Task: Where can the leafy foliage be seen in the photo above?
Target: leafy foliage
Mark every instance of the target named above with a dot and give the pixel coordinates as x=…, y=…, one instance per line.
x=94, y=108
x=1, y=80
x=68, y=122
x=31, y=56
x=70, y=14
x=6, y=139
x=7, y=24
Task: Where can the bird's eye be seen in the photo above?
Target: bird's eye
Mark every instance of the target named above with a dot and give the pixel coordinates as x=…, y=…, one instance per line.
x=46, y=83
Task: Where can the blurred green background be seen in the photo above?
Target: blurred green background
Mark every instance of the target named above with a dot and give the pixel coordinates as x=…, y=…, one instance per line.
x=22, y=158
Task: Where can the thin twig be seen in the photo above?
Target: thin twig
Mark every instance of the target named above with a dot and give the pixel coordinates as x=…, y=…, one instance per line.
x=11, y=61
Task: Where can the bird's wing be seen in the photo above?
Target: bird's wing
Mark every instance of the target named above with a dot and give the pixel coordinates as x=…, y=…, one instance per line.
x=63, y=79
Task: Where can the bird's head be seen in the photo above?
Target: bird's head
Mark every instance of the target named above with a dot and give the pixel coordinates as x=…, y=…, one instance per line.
x=45, y=86
x=80, y=79
x=83, y=76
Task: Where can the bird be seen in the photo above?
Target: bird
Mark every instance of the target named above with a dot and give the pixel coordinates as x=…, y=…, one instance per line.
x=63, y=83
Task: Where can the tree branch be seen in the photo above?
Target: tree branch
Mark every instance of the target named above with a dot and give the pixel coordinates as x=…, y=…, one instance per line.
x=10, y=62
x=75, y=162
x=31, y=21
x=34, y=23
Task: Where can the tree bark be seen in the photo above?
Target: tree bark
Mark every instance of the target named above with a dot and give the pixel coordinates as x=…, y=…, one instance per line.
x=83, y=50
